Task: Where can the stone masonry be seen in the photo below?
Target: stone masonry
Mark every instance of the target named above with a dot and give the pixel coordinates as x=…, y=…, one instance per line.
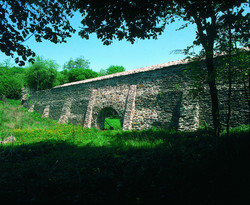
x=155, y=96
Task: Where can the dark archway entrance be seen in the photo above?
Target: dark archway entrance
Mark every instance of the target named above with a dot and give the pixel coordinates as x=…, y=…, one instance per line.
x=108, y=119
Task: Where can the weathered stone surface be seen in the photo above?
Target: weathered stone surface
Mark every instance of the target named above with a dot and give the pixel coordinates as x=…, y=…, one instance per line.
x=46, y=111
x=155, y=96
x=66, y=111
x=130, y=108
x=9, y=139
x=89, y=111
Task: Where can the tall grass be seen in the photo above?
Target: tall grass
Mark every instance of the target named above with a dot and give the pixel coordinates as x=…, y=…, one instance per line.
x=14, y=116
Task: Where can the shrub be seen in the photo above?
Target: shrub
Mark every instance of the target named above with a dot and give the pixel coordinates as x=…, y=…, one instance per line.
x=11, y=82
x=10, y=87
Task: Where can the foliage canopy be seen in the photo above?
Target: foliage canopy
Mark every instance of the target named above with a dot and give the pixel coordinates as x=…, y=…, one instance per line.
x=42, y=74
x=114, y=69
x=79, y=62
x=45, y=19
x=77, y=74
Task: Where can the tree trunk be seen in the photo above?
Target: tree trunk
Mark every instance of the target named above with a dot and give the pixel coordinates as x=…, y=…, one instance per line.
x=207, y=34
x=213, y=92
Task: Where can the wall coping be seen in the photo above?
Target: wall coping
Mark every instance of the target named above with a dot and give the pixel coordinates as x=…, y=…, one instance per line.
x=129, y=72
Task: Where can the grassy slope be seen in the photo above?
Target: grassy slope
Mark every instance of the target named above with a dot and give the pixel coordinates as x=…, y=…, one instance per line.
x=14, y=116
x=66, y=163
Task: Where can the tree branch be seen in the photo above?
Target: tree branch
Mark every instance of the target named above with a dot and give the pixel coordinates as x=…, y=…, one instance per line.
x=200, y=29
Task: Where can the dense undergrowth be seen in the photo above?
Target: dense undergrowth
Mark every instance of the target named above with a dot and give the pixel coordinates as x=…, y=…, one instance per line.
x=52, y=163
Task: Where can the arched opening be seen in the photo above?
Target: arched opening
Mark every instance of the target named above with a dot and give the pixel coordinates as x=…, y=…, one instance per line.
x=108, y=119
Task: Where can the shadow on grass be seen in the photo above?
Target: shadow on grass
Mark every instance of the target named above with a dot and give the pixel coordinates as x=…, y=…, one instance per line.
x=183, y=169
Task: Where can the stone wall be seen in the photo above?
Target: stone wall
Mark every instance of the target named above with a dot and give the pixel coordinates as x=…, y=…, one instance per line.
x=155, y=96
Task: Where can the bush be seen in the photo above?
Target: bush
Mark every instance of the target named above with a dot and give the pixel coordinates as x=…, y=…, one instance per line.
x=11, y=82
x=10, y=87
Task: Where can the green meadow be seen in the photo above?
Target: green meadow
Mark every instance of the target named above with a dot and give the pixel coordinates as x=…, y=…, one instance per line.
x=54, y=163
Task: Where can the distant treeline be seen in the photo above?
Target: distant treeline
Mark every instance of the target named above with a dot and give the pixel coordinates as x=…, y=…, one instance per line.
x=44, y=74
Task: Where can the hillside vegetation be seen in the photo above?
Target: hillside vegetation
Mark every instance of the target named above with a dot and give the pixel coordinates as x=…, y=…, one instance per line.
x=44, y=74
x=53, y=163
x=14, y=116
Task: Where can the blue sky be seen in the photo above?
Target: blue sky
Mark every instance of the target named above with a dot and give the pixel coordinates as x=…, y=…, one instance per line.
x=140, y=54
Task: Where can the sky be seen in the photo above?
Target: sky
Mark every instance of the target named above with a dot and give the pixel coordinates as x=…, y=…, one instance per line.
x=131, y=56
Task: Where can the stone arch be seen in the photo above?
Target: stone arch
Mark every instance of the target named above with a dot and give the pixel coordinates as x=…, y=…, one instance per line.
x=103, y=114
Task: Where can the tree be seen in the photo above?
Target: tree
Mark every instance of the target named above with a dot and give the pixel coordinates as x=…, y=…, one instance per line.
x=79, y=62
x=62, y=77
x=234, y=67
x=90, y=74
x=20, y=19
x=102, y=72
x=81, y=74
x=111, y=70
x=42, y=74
x=208, y=17
x=145, y=19
x=114, y=69
x=230, y=36
x=76, y=74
